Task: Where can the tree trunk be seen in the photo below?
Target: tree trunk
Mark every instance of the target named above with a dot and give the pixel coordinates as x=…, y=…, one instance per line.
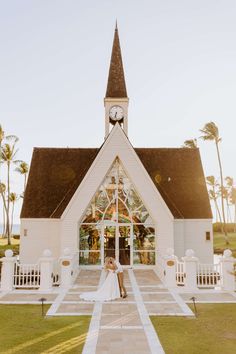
x=3, y=220
x=222, y=199
x=12, y=214
x=235, y=216
x=24, y=183
x=8, y=231
x=4, y=214
x=218, y=211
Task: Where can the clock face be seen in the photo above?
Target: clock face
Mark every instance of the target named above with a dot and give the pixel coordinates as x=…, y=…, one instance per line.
x=116, y=113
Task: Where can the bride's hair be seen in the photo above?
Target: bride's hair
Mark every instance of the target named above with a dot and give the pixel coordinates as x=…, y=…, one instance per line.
x=108, y=262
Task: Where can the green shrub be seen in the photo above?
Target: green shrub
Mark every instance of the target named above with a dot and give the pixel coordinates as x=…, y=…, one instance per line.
x=217, y=227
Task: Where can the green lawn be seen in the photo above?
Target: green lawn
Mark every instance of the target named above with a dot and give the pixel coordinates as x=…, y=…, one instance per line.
x=212, y=332
x=220, y=245
x=24, y=330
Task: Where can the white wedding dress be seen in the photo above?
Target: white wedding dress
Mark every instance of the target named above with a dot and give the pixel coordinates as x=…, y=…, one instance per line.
x=108, y=291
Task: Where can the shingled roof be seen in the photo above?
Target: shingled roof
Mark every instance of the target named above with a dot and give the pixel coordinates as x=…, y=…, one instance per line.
x=116, y=79
x=56, y=173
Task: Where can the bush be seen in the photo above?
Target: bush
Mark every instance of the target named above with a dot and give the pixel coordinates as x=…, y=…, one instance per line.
x=16, y=237
x=217, y=227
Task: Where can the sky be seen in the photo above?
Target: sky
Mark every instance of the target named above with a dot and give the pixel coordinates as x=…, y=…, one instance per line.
x=180, y=66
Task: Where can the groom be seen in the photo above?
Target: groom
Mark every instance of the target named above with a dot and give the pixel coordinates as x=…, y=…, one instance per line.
x=120, y=275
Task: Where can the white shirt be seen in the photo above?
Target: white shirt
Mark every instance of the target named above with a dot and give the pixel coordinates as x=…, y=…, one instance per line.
x=119, y=267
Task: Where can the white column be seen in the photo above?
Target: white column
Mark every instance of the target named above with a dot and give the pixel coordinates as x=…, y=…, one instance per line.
x=227, y=264
x=170, y=268
x=46, y=271
x=7, y=273
x=191, y=263
x=66, y=269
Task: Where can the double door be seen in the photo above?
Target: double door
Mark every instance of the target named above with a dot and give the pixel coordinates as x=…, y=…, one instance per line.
x=117, y=243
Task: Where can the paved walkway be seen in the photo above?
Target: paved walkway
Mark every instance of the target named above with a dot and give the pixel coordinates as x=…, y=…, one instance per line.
x=122, y=326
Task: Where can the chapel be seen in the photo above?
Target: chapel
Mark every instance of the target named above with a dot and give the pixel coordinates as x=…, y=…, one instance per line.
x=116, y=200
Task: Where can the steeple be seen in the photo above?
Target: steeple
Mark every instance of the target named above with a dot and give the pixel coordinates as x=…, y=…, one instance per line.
x=116, y=87
x=116, y=101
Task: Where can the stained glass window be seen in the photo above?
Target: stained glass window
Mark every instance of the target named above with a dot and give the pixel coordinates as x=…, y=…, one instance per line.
x=116, y=202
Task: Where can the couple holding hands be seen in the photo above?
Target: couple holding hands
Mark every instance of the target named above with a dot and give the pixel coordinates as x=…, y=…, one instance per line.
x=113, y=286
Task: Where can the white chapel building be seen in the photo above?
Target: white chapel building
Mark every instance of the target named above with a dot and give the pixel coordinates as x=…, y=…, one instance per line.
x=116, y=200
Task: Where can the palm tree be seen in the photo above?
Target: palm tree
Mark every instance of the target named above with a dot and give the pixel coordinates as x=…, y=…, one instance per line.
x=2, y=135
x=3, y=195
x=214, y=193
x=225, y=195
x=8, y=154
x=233, y=202
x=13, y=198
x=23, y=169
x=211, y=132
x=191, y=144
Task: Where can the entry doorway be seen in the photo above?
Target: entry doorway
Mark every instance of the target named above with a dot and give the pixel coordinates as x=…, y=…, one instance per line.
x=117, y=243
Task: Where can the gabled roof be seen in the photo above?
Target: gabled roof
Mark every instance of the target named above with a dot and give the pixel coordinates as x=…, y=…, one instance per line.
x=55, y=175
x=116, y=87
x=178, y=175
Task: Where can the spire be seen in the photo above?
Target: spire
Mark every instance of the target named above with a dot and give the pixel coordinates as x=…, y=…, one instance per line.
x=116, y=87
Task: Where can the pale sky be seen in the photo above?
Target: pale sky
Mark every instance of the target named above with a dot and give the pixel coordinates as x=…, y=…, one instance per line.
x=180, y=66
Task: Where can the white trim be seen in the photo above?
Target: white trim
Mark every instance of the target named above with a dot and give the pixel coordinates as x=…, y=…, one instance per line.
x=135, y=266
x=121, y=327
x=152, y=337
x=116, y=99
x=92, y=335
x=73, y=314
x=28, y=302
x=195, y=220
x=211, y=302
x=186, y=310
x=116, y=153
x=56, y=303
x=55, y=220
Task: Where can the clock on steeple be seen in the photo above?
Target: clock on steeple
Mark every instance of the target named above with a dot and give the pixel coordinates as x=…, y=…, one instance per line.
x=116, y=100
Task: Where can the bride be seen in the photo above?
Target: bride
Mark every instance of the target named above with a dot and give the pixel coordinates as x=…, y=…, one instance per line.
x=109, y=289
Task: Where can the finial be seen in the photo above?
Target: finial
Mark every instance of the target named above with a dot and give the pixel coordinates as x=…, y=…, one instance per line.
x=116, y=28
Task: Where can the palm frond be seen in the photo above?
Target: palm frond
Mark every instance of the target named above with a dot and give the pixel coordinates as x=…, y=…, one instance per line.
x=190, y=144
x=12, y=137
x=210, y=131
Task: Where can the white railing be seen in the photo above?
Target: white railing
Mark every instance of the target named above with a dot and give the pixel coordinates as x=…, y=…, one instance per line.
x=209, y=275
x=180, y=273
x=26, y=276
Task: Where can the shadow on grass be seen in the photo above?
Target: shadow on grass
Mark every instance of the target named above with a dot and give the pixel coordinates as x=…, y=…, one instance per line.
x=24, y=330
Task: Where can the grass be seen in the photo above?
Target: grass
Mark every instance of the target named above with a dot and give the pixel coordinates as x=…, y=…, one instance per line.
x=212, y=332
x=23, y=330
x=220, y=245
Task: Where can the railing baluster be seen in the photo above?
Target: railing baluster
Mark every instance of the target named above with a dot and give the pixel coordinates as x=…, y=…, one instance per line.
x=26, y=276
x=208, y=275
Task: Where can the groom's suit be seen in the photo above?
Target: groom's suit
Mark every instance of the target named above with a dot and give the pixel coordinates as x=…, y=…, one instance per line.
x=120, y=276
